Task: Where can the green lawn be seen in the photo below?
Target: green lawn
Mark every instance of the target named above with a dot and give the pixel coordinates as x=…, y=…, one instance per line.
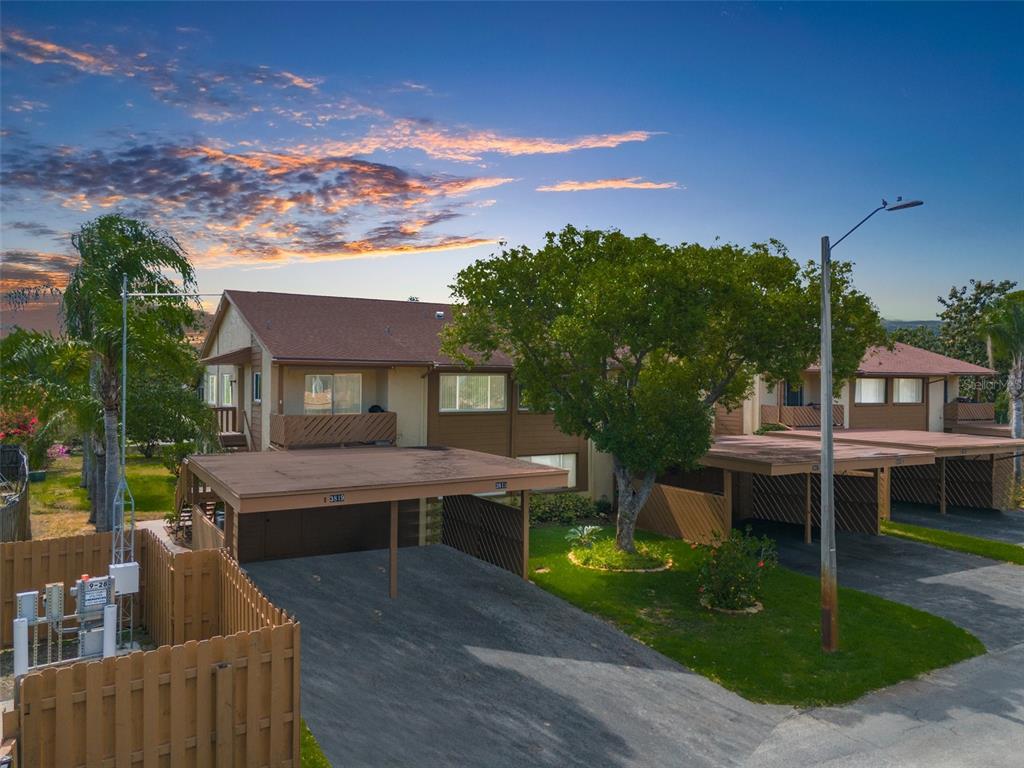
x=312, y=755
x=60, y=507
x=959, y=542
x=773, y=656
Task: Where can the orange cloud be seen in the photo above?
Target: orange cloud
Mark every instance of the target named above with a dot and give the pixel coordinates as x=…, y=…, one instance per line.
x=221, y=255
x=30, y=270
x=469, y=146
x=634, y=182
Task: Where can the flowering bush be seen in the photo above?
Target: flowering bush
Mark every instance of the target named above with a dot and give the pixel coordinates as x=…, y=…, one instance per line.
x=57, y=451
x=18, y=427
x=730, y=571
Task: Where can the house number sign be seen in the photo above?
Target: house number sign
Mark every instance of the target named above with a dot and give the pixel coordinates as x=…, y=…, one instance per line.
x=334, y=498
x=501, y=485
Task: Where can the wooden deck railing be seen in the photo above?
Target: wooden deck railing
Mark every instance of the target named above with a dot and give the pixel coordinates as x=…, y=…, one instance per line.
x=288, y=431
x=227, y=418
x=799, y=415
x=957, y=412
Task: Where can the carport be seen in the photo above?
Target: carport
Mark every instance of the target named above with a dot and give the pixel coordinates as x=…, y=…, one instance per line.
x=968, y=470
x=772, y=478
x=280, y=504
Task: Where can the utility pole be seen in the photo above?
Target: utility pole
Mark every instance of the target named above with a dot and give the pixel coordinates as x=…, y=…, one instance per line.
x=829, y=586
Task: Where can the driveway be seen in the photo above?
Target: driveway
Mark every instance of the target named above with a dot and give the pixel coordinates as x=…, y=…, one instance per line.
x=976, y=593
x=471, y=666
x=988, y=524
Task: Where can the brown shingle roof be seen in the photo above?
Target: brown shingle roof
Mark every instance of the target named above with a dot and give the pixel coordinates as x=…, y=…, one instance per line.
x=336, y=329
x=904, y=359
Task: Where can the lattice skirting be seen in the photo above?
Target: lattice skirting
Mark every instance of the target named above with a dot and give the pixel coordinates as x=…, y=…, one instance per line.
x=982, y=482
x=783, y=499
x=484, y=529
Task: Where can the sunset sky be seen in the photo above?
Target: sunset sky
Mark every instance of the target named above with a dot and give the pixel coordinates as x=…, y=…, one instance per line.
x=374, y=150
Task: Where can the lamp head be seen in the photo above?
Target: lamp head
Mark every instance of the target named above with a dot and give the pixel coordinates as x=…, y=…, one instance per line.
x=901, y=204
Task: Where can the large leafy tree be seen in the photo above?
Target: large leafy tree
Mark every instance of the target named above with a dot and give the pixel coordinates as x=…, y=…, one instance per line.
x=917, y=336
x=963, y=311
x=112, y=246
x=631, y=342
x=163, y=408
x=1003, y=330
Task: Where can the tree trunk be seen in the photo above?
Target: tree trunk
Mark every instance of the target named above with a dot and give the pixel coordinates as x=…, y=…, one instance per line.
x=1015, y=391
x=632, y=498
x=86, y=450
x=112, y=473
x=97, y=470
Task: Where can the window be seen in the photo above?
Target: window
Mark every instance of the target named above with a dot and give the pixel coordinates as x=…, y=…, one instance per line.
x=348, y=392
x=257, y=386
x=340, y=393
x=559, y=460
x=869, y=392
x=211, y=389
x=472, y=392
x=228, y=393
x=907, y=391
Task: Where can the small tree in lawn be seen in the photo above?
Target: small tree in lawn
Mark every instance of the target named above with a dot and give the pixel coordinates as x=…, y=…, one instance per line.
x=1003, y=328
x=630, y=342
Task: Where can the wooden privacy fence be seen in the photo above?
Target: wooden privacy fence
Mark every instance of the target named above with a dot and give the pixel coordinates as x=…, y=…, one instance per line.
x=297, y=431
x=982, y=482
x=26, y=565
x=687, y=514
x=486, y=530
x=205, y=533
x=861, y=500
x=222, y=690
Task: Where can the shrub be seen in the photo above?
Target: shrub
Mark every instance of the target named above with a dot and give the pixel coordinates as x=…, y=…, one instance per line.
x=175, y=453
x=729, y=572
x=771, y=426
x=582, y=535
x=603, y=509
x=563, y=508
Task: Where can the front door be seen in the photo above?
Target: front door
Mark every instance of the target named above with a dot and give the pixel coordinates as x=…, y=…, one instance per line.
x=936, y=403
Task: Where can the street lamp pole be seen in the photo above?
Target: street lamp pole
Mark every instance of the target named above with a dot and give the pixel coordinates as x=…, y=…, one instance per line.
x=829, y=589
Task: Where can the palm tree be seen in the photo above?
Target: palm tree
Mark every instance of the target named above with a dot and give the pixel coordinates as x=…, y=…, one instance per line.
x=1004, y=330
x=111, y=247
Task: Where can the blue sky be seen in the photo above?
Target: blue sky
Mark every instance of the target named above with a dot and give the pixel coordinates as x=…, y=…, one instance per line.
x=373, y=150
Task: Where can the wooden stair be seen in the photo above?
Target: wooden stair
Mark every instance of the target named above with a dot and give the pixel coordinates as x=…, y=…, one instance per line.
x=233, y=441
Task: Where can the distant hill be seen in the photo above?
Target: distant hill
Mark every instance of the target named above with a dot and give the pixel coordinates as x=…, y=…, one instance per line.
x=892, y=325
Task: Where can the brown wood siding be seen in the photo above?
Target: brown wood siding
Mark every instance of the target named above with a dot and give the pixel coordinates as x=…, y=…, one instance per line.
x=324, y=530
x=535, y=434
x=511, y=433
x=256, y=409
x=888, y=415
x=728, y=422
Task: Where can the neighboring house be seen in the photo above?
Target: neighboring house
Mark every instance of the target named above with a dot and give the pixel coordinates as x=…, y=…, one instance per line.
x=900, y=388
x=286, y=371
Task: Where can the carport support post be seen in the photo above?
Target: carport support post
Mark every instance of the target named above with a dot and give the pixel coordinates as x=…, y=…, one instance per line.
x=393, y=553
x=942, y=485
x=525, y=506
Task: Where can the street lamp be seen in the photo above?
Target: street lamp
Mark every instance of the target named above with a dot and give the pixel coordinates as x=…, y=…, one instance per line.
x=829, y=593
